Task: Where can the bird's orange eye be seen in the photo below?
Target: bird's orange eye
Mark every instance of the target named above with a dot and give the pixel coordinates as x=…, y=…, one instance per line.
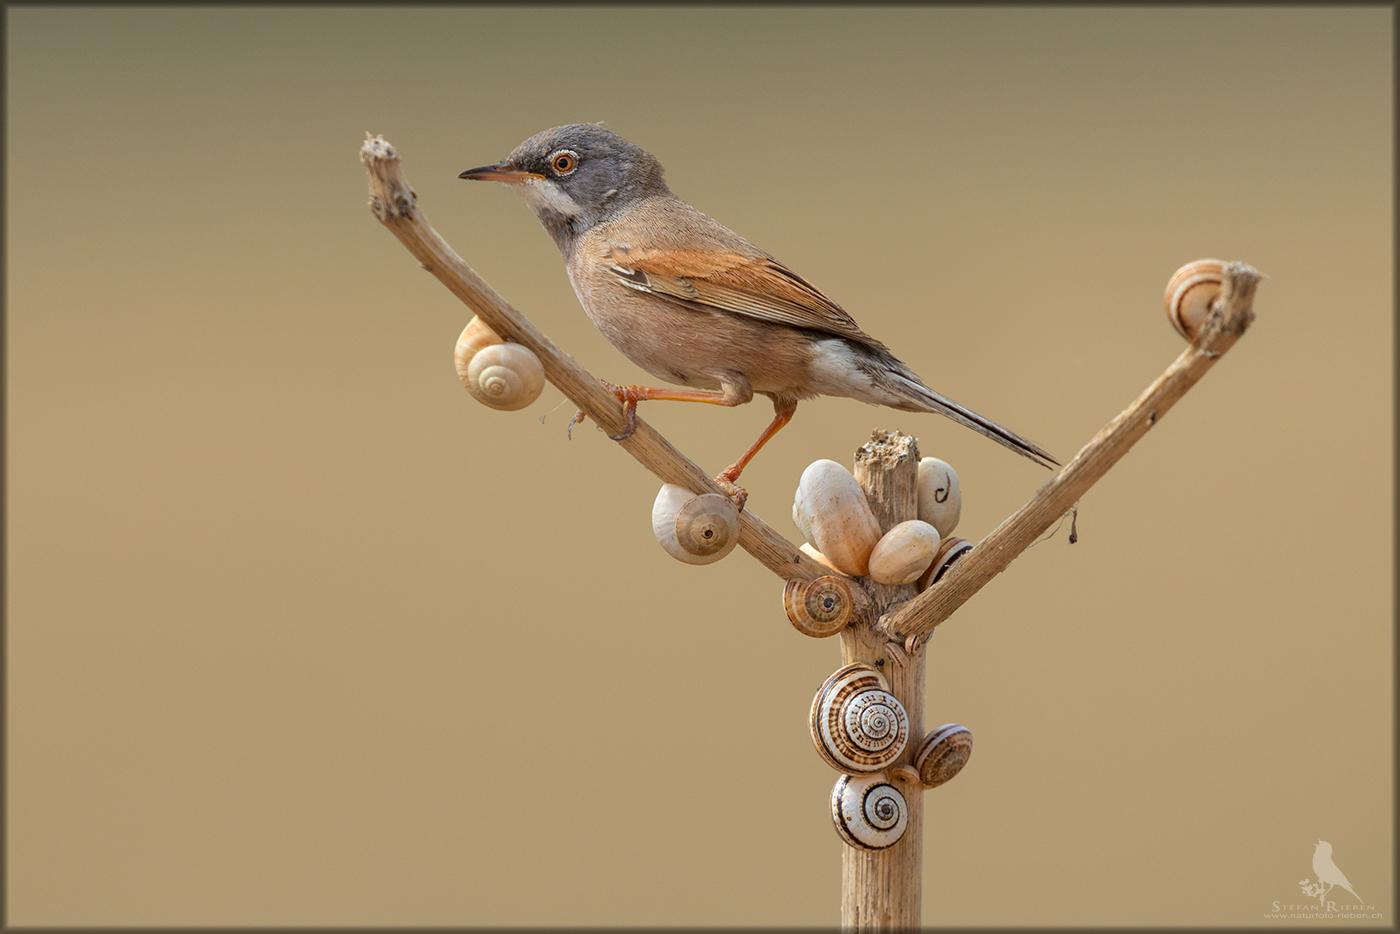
x=564, y=162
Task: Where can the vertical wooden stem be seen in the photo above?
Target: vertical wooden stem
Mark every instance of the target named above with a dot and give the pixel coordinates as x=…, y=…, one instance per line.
x=880, y=889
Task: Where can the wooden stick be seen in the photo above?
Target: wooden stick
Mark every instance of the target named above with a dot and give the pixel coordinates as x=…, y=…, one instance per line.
x=881, y=890
x=1230, y=316
x=396, y=205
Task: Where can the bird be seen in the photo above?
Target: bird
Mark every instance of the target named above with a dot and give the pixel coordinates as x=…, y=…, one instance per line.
x=1327, y=870
x=693, y=303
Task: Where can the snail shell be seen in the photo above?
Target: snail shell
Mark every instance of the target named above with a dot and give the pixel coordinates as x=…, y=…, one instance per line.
x=819, y=608
x=476, y=335
x=831, y=510
x=949, y=550
x=857, y=725
x=505, y=376
x=940, y=497
x=1189, y=293
x=943, y=754
x=694, y=529
x=869, y=812
x=807, y=549
x=904, y=552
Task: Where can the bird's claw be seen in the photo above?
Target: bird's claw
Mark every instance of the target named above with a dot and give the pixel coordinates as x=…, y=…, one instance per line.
x=578, y=418
x=733, y=490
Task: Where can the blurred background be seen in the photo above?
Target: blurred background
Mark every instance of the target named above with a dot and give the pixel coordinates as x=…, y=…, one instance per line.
x=298, y=633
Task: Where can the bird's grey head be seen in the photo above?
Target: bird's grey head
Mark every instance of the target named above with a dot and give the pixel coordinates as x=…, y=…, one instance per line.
x=575, y=176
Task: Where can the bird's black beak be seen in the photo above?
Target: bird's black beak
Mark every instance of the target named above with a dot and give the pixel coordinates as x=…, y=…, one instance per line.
x=500, y=172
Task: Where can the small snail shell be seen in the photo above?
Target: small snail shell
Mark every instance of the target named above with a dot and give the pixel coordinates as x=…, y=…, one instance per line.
x=949, y=550
x=831, y=511
x=807, y=549
x=505, y=376
x=943, y=754
x=869, y=812
x=904, y=552
x=1189, y=293
x=857, y=725
x=819, y=608
x=694, y=529
x=476, y=335
x=940, y=497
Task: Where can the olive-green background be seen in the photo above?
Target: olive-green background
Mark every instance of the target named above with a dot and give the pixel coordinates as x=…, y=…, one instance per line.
x=298, y=633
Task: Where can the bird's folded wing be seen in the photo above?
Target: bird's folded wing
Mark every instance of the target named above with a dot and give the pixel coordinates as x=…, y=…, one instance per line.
x=757, y=287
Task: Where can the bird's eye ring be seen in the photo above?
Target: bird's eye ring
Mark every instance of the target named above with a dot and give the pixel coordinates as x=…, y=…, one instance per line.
x=564, y=161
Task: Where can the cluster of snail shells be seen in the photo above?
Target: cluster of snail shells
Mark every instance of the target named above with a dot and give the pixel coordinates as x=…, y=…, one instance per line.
x=695, y=529
x=1189, y=295
x=833, y=515
x=860, y=729
x=497, y=374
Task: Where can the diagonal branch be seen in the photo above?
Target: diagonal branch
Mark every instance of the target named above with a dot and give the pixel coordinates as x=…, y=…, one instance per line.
x=396, y=205
x=1230, y=315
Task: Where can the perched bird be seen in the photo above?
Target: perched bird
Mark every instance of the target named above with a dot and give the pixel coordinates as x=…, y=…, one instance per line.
x=1327, y=870
x=692, y=302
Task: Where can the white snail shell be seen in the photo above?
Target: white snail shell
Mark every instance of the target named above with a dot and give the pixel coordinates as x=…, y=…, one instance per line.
x=694, y=529
x=869, y=812
x=943, y=754
x=819, y=608
x=1189, y=293
x=904, y=552
x=505, y=376
x=940, y=497
x=856, y=724
x=476, y=335
x=949, y=550
x=831, y=510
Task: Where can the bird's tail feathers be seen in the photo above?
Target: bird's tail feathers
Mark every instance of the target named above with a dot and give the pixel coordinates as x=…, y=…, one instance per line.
x=920, y=398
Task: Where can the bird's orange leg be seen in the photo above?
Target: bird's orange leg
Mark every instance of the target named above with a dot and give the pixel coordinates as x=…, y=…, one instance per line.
x=783, y=414
x=629, y=396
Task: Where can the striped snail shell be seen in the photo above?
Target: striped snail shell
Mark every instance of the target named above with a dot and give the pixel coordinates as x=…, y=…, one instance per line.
x=1189, y=293
x=869, y=812
x=856, y=724
x=943, y=754
x=694, y=529
x=949, y=550
x=819, y=608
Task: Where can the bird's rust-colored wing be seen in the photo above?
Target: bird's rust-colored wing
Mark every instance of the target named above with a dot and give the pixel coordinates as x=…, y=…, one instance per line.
x=757, y=287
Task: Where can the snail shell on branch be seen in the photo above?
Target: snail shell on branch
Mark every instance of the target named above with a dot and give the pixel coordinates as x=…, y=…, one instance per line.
x=869, y=812
x=694, y=529
x=505, y=376
x=831, y=510
x=940, y=497
x=943, y=754
x=475, y=336
x=807, y=549
x=904, y=552
x=857, y=725
x=949, y=550
x=819, y=608
x=1189, y=293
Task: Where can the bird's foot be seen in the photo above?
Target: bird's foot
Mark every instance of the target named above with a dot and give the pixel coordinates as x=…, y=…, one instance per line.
x=578, y=418
x=725, y=478
x=629, y=396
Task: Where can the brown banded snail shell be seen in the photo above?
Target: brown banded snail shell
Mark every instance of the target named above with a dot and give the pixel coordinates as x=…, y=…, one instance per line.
x=1189, y=294
x=856, y=724
x=943, y=754
x=831, y=510
x=949, y=550
x=819, y=608
x=940, y=497
x=904, y=552
x=505, y=376
x=694, y=529
x=869, y=812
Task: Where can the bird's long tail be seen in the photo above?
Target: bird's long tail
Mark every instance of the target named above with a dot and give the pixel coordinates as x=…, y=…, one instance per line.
x=914, y=396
